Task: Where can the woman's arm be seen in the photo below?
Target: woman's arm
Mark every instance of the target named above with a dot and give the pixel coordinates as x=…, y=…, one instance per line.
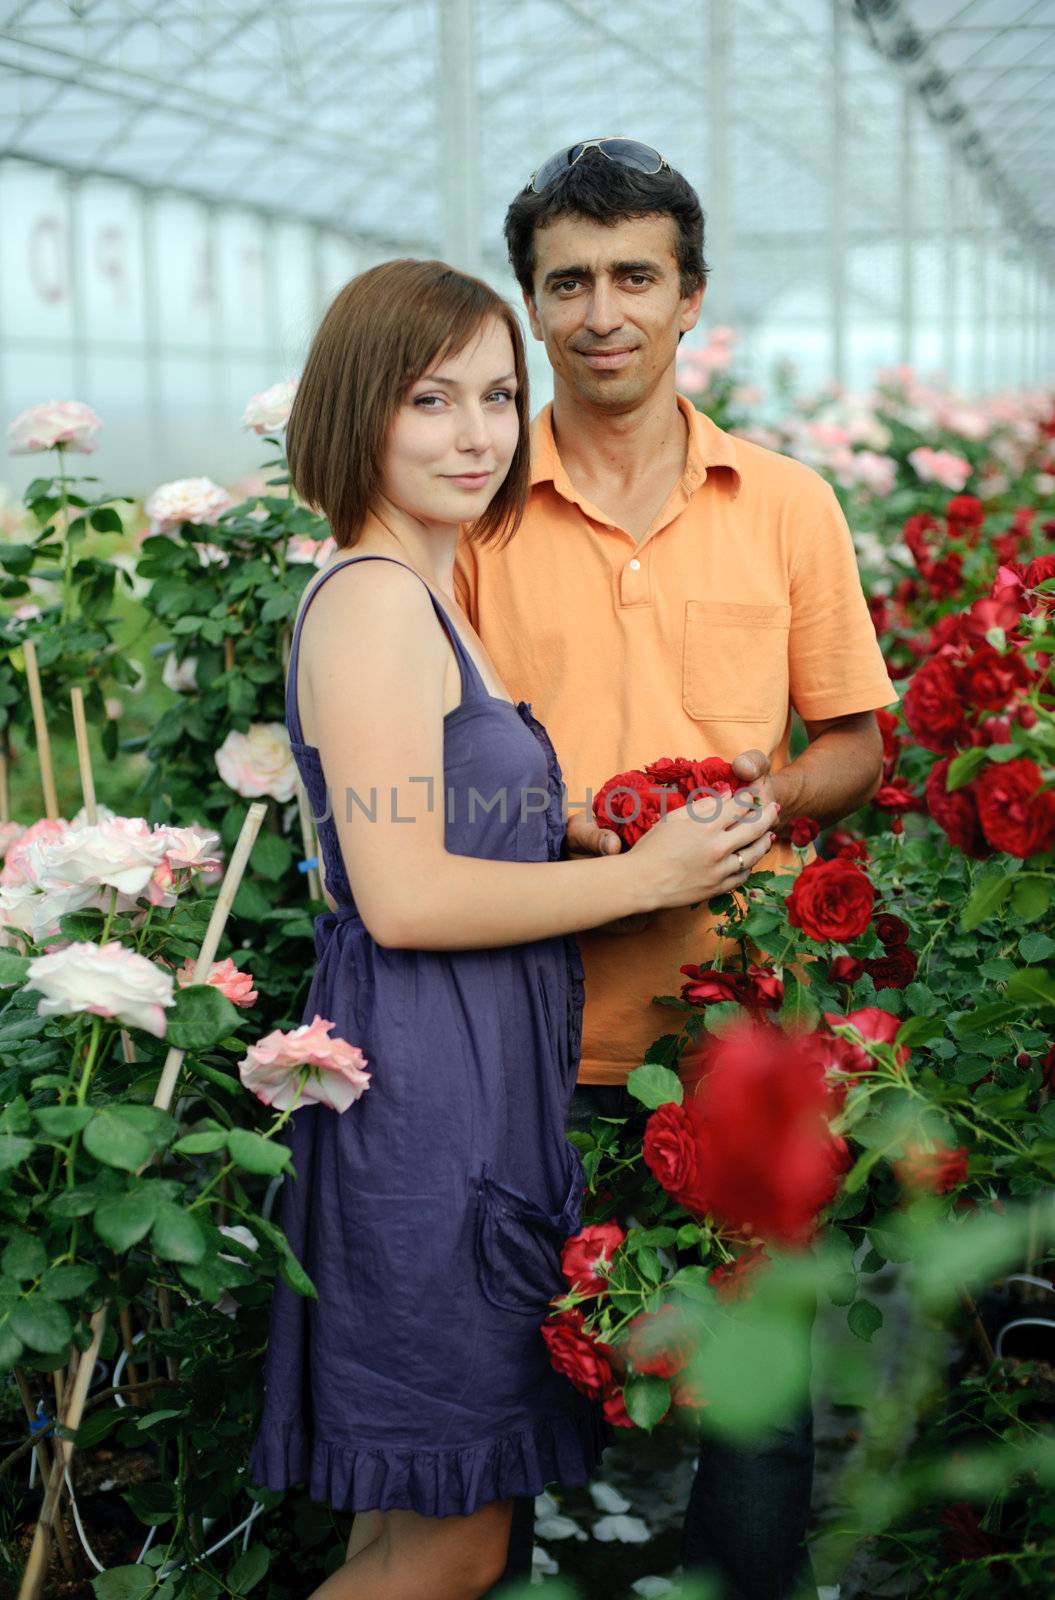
x=371, y=687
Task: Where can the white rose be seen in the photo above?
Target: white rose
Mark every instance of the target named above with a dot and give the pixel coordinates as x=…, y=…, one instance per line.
x=36, y=912
x=180, y=676
x=107, y=981
x=196, y=500
x=118, y=853
x=57, y=424
x=268, y=411
x=259, y=762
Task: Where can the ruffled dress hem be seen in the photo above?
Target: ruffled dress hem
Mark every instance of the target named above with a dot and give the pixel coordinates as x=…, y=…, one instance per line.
x=433, y=1482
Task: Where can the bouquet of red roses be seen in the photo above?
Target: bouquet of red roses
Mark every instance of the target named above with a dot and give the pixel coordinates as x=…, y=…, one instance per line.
x=633, y=802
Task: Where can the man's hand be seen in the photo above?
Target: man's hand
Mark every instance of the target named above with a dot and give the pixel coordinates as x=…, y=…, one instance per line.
x=752, y=768
x=583, y=838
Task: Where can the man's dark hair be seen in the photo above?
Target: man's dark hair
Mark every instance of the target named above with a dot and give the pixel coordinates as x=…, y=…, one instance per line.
x=607, y=192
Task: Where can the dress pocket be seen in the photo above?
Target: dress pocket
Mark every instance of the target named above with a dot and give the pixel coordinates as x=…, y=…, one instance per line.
x=736, y=661
x=518, y=1244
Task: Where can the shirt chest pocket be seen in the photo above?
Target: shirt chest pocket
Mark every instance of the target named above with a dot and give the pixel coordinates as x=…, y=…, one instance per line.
x=736, y=661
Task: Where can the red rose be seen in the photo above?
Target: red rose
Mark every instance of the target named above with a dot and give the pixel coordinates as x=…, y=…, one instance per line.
x=1047, y=1066
x=991, y=681
x=614, y=1409
x=631, y=803
x=935, y=1170
x=1015, y=815
x=770, y=1158
x=849, y=846
x=887, y=722
x=671, y=1148
x=1039, y=570
x=987, y=613
x=713, y=775
x=710, y=986
x=897, y=796
x=732, y=1280
x=763, y=989
x=845, y=969
x=965, y=515
x=890, y=929
x=661, y=1343
x=893, y=970
x=831, y=900
x=956, y=813
x=576, y=1353
x=875, y=1026
x=932, y=706
x=945, y=576
x=585, y=1252
x=803, y=832
x=916, y=535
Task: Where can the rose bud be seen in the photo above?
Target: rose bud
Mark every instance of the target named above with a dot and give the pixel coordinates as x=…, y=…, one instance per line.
x=996, y=730
x=803, y=832
x=1026, y=716
x=845, y=969
x=1023, y=1059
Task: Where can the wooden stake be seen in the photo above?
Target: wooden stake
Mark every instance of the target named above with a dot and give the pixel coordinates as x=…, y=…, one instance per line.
x=36, y=700
x=37, y=1564
x=84, y=759
x=40, y=1450
x=308, y=841
x=210, y=944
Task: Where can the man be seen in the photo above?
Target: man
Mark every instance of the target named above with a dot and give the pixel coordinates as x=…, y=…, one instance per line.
x=672, y=591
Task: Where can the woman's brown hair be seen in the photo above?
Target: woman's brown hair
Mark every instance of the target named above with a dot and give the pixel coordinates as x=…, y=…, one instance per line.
x=385, y=329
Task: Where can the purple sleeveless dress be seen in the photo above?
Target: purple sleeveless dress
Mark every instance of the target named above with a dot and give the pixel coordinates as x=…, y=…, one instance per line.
x=430, y=1215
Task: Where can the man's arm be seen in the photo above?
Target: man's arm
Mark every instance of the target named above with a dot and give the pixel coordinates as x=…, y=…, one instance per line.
x=840, y=769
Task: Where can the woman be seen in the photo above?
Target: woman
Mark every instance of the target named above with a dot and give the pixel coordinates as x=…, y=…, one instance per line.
x=416, y=1391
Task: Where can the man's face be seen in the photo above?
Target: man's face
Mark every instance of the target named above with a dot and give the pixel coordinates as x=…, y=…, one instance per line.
x=608, y=306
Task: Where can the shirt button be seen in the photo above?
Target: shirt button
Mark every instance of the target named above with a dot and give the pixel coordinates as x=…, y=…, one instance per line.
x=635, y=565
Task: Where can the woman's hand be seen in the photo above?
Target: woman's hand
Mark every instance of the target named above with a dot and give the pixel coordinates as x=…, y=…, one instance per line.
x=707, y=847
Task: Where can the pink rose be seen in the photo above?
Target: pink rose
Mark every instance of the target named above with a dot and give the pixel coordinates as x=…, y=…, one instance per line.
x=271, y=1068
x=225, y=976
x=55, y=425
x=259, y=762
x=269, y=410
x=196, y=500
x=106, y=980
x=940, y=466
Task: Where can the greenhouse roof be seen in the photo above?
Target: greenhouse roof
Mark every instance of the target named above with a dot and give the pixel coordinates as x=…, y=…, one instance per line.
x=356, y=115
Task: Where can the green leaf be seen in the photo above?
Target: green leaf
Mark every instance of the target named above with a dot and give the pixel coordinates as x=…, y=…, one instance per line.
x=124, y=1583
x=963, y=767
x=12, y=969
x=177, y=1236
x=1031, y=898
x=122, y=1222
x=13, y=1149
x=921, y=1001
x=1032, y=986
x=985, y=1017
x=988, y=896
x=201, y=1017
x=112, y=1140
x=249, y=1568
x=256, y=1154
x=865, y=1319
x=200, y=1144
x=271, y=855
x=655, y=1086
x=24, y=1258
x=82, y=925
x=647, y=1400
x=104, y=519
x=67, y=1281
x=692, y=1283
x=655, y=1237
x=42, y=1324
x=920, y=1030
x=251, y=902
x=799, y=1009
x=1036, y=947
x=97, y=1424
x=58, y=1122
x=648, y=1264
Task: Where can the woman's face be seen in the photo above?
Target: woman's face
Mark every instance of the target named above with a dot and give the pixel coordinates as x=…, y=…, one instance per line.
x=455, y=432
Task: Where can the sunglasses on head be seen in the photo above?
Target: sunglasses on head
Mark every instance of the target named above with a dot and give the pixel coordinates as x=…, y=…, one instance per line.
x=624, y=152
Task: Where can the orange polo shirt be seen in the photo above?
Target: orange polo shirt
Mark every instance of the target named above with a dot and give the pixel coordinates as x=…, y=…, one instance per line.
x=741, y=602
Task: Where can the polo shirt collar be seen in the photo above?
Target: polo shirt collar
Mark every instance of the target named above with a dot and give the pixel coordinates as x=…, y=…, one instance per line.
x=709, y=446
